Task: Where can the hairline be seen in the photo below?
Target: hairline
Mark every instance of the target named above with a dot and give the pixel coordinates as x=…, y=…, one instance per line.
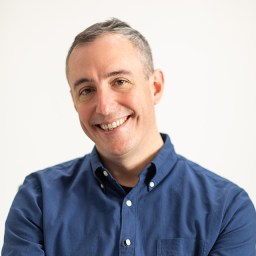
x=148, y=70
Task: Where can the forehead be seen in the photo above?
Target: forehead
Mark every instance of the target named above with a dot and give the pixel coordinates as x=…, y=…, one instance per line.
x=106, y=44
x=105, y=52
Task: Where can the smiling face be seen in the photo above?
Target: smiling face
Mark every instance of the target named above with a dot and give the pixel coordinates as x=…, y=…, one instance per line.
x=113, y=97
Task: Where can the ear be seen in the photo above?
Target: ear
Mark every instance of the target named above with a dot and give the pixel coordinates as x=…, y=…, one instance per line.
x=157, y=85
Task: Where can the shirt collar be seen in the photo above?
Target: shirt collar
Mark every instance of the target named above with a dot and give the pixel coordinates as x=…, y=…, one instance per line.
x=154, y=173
x=163, y=162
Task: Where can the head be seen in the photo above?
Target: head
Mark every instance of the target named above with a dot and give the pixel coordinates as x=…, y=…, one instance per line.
x=114, y=88
x=116, y=26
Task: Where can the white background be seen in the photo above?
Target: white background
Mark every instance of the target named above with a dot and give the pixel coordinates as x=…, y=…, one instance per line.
x=207, y=50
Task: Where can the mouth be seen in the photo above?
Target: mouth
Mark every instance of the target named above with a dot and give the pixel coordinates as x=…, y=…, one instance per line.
x=113, y=125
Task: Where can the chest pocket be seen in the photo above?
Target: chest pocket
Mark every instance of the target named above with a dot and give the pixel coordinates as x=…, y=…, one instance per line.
x=180, y=247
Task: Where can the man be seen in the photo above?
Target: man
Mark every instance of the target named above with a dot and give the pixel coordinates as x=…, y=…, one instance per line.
x=133, y=195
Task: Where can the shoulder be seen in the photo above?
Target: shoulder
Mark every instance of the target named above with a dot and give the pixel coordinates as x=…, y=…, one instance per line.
x=210, y=187
x=60, y=173
x=201, y=175
x=225, y=200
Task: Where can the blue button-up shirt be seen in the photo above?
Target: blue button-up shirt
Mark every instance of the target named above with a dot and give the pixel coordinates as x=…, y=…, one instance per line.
x=177, y=208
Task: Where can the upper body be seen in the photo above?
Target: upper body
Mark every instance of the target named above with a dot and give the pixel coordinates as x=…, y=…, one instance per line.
x=176, y=208
x=115, y=88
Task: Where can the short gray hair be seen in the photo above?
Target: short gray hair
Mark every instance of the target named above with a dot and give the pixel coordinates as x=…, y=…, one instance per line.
x=119, y=27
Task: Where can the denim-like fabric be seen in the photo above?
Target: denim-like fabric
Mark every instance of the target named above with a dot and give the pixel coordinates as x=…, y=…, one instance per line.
x=177, y=208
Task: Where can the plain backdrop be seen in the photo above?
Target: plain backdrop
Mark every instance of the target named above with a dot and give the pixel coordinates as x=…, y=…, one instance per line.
x=206, y=49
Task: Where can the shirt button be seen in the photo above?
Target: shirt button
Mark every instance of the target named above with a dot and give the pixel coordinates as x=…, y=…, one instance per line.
x=102, y=186
x=151, y=184
x=105, y=173
x=129, y=203
x=127, y=242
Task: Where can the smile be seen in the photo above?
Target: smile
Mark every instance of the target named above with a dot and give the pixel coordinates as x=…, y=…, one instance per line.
x=112, y=126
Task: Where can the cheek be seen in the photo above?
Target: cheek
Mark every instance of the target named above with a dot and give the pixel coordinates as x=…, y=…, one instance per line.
x=142, y=95
x=146, y=99
x=83, y=113
x=141, y=101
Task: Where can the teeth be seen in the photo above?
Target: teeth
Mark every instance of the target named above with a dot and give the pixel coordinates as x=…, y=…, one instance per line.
x=109, y=127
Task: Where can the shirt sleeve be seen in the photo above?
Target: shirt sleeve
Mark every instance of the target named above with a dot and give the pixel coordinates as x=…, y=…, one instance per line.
x=238, y=234
x=23, y=228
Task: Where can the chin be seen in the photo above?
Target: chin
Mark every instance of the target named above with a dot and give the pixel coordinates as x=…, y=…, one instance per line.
x=117, y=150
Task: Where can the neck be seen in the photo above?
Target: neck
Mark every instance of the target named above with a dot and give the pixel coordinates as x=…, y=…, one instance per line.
x=126, y=168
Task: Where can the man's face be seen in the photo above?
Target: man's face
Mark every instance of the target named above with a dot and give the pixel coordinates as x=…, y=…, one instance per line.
x=114, y=99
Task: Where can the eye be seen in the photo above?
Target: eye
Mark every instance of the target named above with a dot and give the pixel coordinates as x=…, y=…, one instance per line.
x=120, y=82
x=86, y=91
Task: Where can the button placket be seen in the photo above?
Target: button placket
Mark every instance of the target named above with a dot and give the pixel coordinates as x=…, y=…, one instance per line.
x=128, y=227
x=129, y=203
x=127, y=242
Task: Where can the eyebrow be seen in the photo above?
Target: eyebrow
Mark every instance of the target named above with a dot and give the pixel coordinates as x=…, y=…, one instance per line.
x=82, y=80
x=117, y=73
x=108, y=75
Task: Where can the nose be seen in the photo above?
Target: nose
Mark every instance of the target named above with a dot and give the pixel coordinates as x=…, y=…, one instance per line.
x=106, y=103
